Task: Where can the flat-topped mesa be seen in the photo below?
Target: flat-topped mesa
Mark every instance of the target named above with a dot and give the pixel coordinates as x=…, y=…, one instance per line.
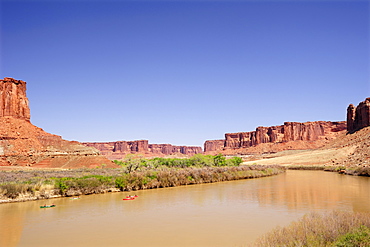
x=13, y=99
x=358, y=117
x=214, y=145
x=190, y=150
x=290, y=131
x=140, y=146
x=119, y=149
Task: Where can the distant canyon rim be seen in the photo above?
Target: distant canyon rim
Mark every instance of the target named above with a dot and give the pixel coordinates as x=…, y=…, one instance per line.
x=24, y=145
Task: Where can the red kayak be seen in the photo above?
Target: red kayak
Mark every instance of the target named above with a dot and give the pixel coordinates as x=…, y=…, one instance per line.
x=128, y=198
x=131, y=197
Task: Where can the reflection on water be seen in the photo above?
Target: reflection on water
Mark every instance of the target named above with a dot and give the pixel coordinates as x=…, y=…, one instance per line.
x=222, y=214
x=316, y=190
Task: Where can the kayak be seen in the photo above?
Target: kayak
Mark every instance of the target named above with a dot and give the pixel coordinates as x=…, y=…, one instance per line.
x=47, y=206
x=128, y=198
x=75, y=198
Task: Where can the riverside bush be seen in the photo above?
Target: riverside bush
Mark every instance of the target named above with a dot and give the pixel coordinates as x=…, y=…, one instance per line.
x=13, y=190
x=332, y=229
x=358, y=237
x=133, y=163
x=358, y=171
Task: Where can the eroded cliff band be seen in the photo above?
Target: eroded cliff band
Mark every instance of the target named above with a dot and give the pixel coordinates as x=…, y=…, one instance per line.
x=119, y=149
x=315, y=134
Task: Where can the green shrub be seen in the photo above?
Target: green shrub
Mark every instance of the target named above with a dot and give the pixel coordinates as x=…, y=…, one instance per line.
x=234, y=161
x=61, y=185
x=219, y=160
x=121, y=183
x=358, y=237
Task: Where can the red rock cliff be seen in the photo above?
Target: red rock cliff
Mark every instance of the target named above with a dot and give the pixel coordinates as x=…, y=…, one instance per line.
x=289, y=132
x=13, y=100
x=119, y=149
x=214, y=145
x=23, y=144
x=358, y=117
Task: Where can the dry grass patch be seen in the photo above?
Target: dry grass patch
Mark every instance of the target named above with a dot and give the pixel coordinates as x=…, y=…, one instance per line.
x=332, y=229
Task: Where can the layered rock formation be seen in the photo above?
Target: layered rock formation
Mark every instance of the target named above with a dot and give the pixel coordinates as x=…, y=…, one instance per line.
x=119, y=149
x=307, y=132
x=214, y=145
x=168, y=149
x=358, y=117
x=13, y=99
x=23, y=144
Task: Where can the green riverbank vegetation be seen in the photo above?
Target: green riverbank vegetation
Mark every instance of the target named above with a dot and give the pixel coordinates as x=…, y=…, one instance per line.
x=340, y=229
x=135, y=173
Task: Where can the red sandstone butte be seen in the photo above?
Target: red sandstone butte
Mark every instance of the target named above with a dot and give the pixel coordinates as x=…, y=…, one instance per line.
x=298, y=135
x=13, y=100
x=119, y=149
x=358, y=117
x=23, y=144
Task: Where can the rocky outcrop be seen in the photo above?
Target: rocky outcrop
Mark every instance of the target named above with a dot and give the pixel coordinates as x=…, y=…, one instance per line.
x=23, y=144
x=13, y=99
x=119, y=149
x=214, y=145
x=140, y=146
x=358, y=117
x=289, y=132
x=310, y=131
x=116, y=150
x=168, y=149
x=248, y=139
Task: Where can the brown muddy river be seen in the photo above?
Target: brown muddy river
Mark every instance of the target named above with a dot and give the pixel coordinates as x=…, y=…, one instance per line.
x=220, y=214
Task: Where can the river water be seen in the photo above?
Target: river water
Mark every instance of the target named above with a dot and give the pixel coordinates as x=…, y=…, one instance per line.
x=221, y=214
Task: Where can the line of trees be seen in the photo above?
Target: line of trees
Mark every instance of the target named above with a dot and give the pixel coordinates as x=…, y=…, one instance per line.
x=133, y=162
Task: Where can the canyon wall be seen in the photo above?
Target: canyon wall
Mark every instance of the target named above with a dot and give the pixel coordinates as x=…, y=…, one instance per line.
x=13, y=99
x=358, y=117
x=289, y=132
x=23, y=144
x=119, y=149
x=214, y=145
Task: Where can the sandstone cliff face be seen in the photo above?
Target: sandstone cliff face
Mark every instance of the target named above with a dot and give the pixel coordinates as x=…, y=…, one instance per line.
x=119, y=149
x=310, y=131
x=214, y=145
x=130, y=146
x=289, y=132
x=358, y=117
x=23, y=144
x=13, y=100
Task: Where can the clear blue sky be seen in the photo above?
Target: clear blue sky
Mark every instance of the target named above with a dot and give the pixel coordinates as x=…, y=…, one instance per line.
x=183, y=72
